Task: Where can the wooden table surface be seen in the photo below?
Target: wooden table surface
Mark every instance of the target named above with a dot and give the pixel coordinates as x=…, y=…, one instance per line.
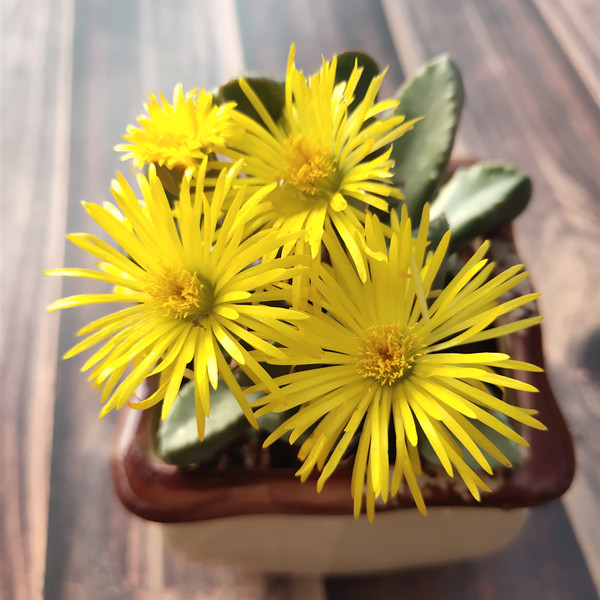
x=75, y=74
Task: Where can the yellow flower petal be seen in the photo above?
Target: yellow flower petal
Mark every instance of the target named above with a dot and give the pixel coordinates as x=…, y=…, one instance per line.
x=390, y=354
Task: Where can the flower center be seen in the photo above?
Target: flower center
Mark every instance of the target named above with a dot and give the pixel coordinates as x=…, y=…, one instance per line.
x=387, y=353
x=308, y=162
x=180, y=293
x=171, y=144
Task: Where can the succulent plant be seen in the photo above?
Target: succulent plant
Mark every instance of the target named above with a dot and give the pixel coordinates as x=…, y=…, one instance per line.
x=476, y=200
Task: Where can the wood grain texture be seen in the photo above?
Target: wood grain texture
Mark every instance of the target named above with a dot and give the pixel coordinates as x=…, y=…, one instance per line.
x=527, y=103
x=35, y=133
x=318, y=29
x=75, y=74
x=575, y=26
x=93, y=544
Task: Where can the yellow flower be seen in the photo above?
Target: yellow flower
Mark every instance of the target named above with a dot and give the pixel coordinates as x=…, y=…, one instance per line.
x=392, y=359
x=322, y=156
x=197, y=283
x=179, y=135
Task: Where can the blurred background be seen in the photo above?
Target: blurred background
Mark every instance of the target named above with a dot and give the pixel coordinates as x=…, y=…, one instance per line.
x=75, y=74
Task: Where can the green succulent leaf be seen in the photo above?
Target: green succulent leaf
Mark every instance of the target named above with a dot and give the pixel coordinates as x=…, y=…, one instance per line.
x=481, y=198
x=421, y=155
x=177, y=435
x=171, y=180
x=438, y=227
x=345, y=65
x=270, y=92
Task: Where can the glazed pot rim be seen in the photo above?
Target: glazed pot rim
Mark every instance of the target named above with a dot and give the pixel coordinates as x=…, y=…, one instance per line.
x=157, y=491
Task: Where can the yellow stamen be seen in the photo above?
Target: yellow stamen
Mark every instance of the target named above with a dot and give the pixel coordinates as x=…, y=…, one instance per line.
x=308, y=162
x=387, y=353
x=180, y=293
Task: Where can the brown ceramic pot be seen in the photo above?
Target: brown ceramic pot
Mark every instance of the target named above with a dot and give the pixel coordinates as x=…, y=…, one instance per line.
x=262, y=518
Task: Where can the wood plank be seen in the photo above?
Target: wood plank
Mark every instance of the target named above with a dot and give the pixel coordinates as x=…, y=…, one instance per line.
x=575, y=24
x=527, y=104
x=93, y=543
x=37, y=58
x=318, y=29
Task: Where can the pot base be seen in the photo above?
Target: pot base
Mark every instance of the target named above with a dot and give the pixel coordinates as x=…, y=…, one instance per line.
x=339, y=544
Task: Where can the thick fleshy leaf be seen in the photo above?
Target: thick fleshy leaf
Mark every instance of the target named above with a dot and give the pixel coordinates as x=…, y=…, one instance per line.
x=345, y=65
x=171, y=180
x=421, y=155
x=481, y=198
x=177, y=435
x=270, y=92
